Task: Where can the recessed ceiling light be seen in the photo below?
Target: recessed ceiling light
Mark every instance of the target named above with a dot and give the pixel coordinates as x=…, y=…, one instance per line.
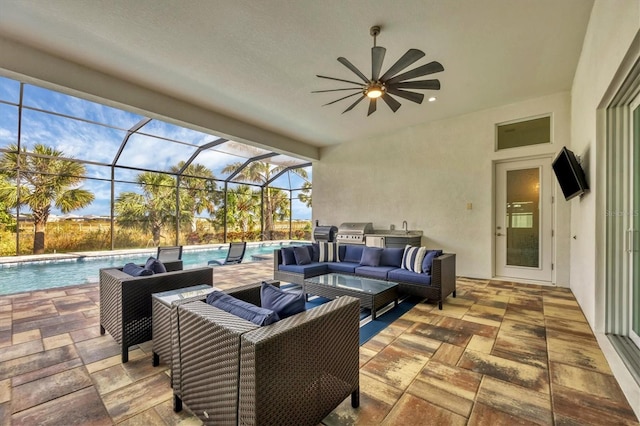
x=432, y=99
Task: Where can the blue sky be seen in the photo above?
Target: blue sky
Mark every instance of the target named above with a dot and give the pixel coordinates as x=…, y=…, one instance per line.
x=98, y=139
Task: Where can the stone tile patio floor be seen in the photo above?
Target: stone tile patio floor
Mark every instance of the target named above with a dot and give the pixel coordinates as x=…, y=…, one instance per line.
x=499, y=353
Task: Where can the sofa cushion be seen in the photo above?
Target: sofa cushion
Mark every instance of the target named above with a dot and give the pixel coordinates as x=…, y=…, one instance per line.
x=348, y=267
x=155, y=265
x=352, y=253
x=288, y=257
x=371, y=256
x=328, y=252
x=391, y=257
x=428, y=260
x=284, y=303
x=378, y=272
x=302, y=255
x=403, y=275
x=412, y=258
x=309, y=270
x=135, y=270
x=242, y=309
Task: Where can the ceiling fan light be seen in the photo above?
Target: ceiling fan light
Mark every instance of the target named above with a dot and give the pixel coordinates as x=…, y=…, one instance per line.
x=374, y=91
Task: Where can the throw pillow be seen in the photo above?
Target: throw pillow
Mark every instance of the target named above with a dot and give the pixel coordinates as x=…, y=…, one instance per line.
x=428, y=260
x=242, y=309
x=328, y=252
x=288, y=258
x=135, y=270
x=315, y=250
x=302, y=255
x=371, y=256
x=155, y=265
x=413, y=257
x=392, y=257
x=284, y=303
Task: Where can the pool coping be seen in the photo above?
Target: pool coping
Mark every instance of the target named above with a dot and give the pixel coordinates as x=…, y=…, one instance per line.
x=50, y=257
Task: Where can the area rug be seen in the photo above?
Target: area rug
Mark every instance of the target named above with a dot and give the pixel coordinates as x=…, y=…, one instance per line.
x=368, y=327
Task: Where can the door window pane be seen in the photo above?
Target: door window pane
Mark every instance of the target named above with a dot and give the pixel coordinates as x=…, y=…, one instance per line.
x=523, y=218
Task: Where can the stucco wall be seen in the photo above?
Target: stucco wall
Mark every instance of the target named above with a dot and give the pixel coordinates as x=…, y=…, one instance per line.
x=427, y=174
x=608, y=39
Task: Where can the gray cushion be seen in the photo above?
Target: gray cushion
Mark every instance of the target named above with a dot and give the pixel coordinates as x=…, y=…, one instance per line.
x=371, y=256
x=242, y=309
x=284, y=303
x=302, y=255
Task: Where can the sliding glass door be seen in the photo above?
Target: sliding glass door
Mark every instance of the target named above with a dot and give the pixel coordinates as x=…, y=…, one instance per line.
x=633, y=244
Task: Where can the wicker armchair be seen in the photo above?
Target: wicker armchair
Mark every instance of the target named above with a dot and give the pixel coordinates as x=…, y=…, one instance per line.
x=125, y=301
x=295, y=371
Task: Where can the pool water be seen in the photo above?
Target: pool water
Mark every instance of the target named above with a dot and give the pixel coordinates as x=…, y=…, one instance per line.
x=29, y=276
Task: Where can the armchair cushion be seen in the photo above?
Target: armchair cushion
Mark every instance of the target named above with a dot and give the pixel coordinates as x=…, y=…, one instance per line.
x=288, y=257
x=284, y=303
x=135, y=270
x=242, y=309
x=302, y=255
x=155, y=265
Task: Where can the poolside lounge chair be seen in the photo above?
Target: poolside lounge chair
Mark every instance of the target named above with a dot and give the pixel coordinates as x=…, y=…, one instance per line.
x=167, y=253
x=234, y=255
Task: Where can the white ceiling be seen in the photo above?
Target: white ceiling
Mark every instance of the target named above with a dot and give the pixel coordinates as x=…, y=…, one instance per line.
x=257, y=60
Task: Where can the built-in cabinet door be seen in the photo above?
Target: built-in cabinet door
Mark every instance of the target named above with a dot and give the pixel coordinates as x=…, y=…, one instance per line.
x=523, y=223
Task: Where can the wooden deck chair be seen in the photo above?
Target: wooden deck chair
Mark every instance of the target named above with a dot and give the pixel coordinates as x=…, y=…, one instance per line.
x=234, y=255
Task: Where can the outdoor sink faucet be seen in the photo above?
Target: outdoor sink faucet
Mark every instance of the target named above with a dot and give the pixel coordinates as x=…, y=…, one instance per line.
x=405, y=226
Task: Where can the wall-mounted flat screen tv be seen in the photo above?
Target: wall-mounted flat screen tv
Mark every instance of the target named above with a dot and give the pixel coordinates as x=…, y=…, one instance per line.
x=569, y=173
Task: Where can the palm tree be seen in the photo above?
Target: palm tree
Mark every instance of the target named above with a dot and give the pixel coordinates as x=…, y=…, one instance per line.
x=260, y=172
x=152, y=209
x=305, y=194
x=198, y=190
x=242, y=211
x=45, y=178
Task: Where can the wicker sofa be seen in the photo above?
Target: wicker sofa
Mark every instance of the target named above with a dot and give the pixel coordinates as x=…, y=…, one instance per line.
x=125, y=300
x=296, y=371
x=435, y=286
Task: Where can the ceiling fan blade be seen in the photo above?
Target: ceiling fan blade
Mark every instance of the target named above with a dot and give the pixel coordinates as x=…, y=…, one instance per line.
x=354, y=104
x=418, y=84
x=336, y=90
x=339, y=79
x=356, y=71
x=377, y=57
x=338, y=100
x=430, y=68
x=393, y=104
x=412, y=96
x=407, y=59
x=372, y=106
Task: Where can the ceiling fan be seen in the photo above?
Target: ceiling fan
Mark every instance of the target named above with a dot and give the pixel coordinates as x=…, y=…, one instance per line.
x=389, y=83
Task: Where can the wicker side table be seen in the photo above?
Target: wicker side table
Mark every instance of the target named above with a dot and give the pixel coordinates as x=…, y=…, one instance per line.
x=161, y=306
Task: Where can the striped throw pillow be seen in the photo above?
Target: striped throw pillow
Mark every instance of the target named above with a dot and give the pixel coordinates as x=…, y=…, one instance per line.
x=413, y=257
x=328, y=252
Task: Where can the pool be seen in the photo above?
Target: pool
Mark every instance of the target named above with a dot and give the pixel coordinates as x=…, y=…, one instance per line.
x=40, y=275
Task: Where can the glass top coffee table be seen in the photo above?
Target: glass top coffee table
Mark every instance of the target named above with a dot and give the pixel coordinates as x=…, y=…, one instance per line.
x=373, y=294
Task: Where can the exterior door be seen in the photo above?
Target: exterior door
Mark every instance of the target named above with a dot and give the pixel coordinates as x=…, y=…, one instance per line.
x=523, y=223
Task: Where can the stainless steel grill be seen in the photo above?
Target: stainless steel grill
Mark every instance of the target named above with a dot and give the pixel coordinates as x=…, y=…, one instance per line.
x=354, y=232
x=325, y=233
